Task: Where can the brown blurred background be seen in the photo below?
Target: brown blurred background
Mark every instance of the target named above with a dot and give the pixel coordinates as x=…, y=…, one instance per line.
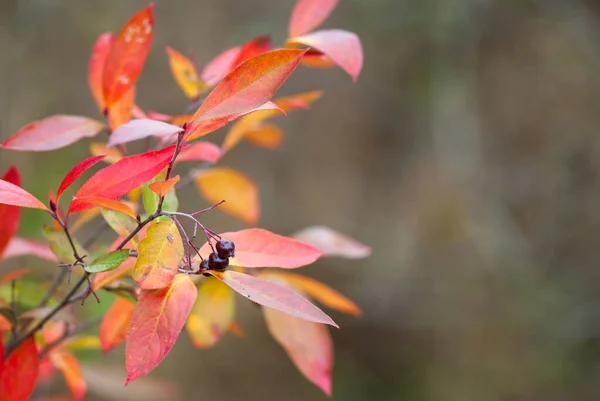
x=467, y=155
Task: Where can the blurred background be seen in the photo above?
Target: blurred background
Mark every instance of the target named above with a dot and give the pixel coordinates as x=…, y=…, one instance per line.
x=467, y=156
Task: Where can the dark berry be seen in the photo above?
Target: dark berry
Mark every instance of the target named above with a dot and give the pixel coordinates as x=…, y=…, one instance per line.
x=204, y=265
x=225, y=248
x=215, y=262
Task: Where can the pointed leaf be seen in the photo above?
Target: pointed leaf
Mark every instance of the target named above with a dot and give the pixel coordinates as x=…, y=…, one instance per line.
x=220, y=66
x=309, y=14
x=249, y=85
x=112, y=155
x=308, y=345
x=139, y=129
x=273, y=295
x=159, y=256
x=185, y=74
x=266, y=136
x=332, y=242
x=96, y=67
x=157, y=320
x=10, y=215
x=23, y=247
x=76, y=172
x=255, y=247
x=161, y=188
x=239, y=192
x=343, y=47
x=127, y=55
x=71, y=370
x=20, y=372
x=201, y=151
x=107, y=262
x=52, y=133
x=120, y=113
x=106, y=203
x=128, y=173
x=298, y=101
x=113, y=328
x=212, y=313
x=253, y=48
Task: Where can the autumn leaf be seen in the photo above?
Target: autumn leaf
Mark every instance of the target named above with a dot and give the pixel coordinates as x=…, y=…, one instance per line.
x=298, y=101
x=81, y=342
x=103, y=279
x=220, y=66
x=249, y=85
x=52, y=133
x=201, y=151
x=112, y=155
x=107, y=262
x=256, y=247
x=121, y=224
x=11, y=194
x=266, y=136
x=120, y=113
x=9, y=214
x=159, y=256
x=5, y=325
x=113, y=328
x=139, y=129
x=309, y=14
x=185, y=74
x=212, y=313
x=239, y=192
x=342, y=47
x=127, y=55
x=20, y=372
x=60, y=245
x=13, y=275
x=106, y=203
x=96, y=67
x=161, y=188
x=23, y=247
x=158, y=318
x=332, y=242
x=253, y=48
x=76, y=172
x=273, y=296
x=71, y=370
x=308, y=345
x=117, y=179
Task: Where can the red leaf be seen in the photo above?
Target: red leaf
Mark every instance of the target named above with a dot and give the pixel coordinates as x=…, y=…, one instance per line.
x=253, y=48
x=249, y=85
x=87, y=202
x=52, y=133
x=113, y=328
x=128, y=173
x=158, y=318
x=76, y=172
x=22, y=247
x=220, y=66
x=20, y=372
x=332, y=242
x=308, y=345
x=309, y=14
x=10, y=194
x=127, y=55
x=273, y=296
x=342, y=47
x=201, y=151
x=120, y=113
x=71, y=370
x=138, y=129
x=9, y=215
x=96, y=67
x=255, y=247
x=13, y=275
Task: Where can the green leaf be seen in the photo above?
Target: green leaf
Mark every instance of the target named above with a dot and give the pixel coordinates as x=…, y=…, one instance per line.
x=108, y=262
x=60, y=246
x=121, y=223
x=151, y=199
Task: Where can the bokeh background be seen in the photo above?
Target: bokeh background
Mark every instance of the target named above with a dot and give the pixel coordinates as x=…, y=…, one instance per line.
x=467, y=156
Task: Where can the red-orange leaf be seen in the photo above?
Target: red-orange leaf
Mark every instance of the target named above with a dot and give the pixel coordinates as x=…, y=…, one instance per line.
x=343, y=47
x=201, y=151
x=87, y=202
x=253, y=48
x=5, y=325
x=52, y=132
x=333, y=243
x=96, y=67
x=9, y=214
x=273, y=296
x=161, y=188
x=158, y=318
x=127, y=55
x=13, y=275
x=309, y=14
x=185, y=74
x=10, y=194
x=128, y=173
x=298, y=101
x=120, y=113
x=308, y=345
x=20, y=372
x=76, y=172
x=113, y=328
x=138, y=129
x=255, y=247
x=220, y=66
x=239, y=192
x=21, y=247
x=249, y=85
x=71, y=370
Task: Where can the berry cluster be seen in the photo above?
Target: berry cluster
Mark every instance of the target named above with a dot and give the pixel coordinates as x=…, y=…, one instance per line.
x=219, y=260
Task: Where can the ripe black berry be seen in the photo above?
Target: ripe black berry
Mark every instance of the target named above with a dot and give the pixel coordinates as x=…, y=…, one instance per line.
x=204, y=265
x=215, y=262
x=225, y=248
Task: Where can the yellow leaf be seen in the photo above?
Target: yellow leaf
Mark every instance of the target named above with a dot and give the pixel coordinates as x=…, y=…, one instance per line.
x=113, y=154
x=242, y=125
x=267, y=136
x=185, y=74
x=81, y=342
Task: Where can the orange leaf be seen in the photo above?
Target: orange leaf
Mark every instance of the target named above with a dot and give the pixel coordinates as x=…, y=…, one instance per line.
x=22, y=247
x=267, y=136
x=201, y=151
x=185, y=74
x=120, y=113
x=20, y=372
x=5, y=326
x=308, y=345
x=158, y=318
x=106, y=203
x=317, y=290
x=113, y=328
x=273, y=296
x=162, y=187
x=9, y=214
x=71, y=370
x=316, y=59
x=253, y=48
x=332, y=242
x=309, y=14
x=220, y=66
x=96, y=67
x=52, y=133
x=249, y=85
x=11, y=194
x=113, y=155
x=127, y=55
x=13, y=275
x=238, y=130
x=343, y=47
x=212, y=313
x=238, y=191
x=298, y=101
